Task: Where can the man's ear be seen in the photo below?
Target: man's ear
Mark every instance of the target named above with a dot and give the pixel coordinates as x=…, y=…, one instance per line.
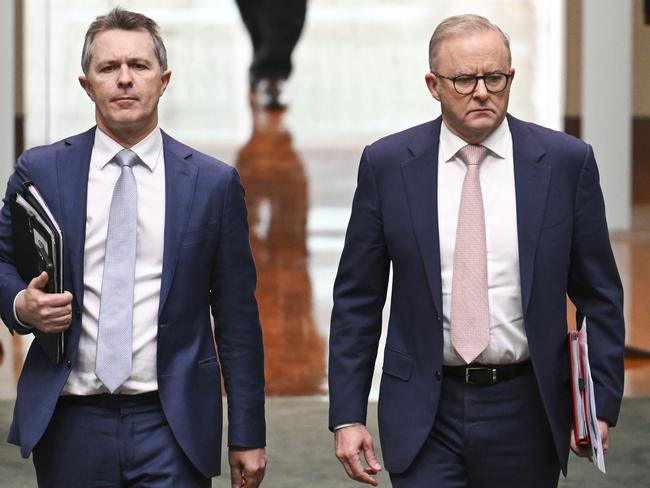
x=164, y=78
x=85, y=84
x=432, y=84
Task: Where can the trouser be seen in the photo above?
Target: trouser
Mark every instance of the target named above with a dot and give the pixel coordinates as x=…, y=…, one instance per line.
x=486, y=437
x=274, y=27
x=112, y=441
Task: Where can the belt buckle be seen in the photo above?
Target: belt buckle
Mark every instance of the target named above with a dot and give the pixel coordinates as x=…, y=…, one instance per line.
x=469, y=369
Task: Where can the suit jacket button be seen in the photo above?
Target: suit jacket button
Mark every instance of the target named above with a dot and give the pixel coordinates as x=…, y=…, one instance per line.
x=438, y=375
x=77, y=313
x=68, y=363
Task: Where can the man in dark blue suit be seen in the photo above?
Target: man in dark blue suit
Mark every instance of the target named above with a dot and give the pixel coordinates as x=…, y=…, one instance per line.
x=147, y=410
x=488, y=224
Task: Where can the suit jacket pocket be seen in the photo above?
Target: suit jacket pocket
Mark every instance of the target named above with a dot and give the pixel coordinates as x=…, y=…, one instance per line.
x=198, y=235
x=397, y=364
x=208, y=361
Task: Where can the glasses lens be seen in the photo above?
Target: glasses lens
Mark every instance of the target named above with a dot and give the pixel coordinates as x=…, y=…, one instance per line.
x=496, y=82
x=465, y=84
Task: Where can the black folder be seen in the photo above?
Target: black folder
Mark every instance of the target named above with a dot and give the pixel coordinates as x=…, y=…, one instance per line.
x=38, y=247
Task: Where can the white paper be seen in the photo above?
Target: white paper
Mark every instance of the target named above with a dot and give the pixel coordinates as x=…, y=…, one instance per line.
x=597, y=455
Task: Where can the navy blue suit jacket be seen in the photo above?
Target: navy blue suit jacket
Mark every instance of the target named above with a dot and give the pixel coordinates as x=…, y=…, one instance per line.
x=564, y=249
x=207, y=265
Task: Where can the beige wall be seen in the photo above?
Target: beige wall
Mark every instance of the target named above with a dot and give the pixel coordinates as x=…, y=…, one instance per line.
x=641, y=57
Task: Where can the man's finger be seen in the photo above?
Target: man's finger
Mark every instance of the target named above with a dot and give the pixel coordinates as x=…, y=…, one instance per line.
x=604, y=435
x=347, y=467
x=55, y=312
x=59, y=299
x=252, y=480
x=40, y=282
x=359, y=472
x=236, y=478
x=59, y=322
x=578, y=451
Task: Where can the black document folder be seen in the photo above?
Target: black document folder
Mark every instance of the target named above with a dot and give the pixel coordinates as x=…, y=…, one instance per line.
x=38, y=247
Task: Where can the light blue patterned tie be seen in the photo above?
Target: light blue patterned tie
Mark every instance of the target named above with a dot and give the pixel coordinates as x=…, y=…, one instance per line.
x=115, y=335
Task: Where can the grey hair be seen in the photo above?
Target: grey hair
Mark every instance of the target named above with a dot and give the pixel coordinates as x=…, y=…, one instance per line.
x=118, y=18
x=459, y=25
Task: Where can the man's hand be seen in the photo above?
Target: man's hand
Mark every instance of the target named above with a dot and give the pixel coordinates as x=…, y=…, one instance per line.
x=48, y=312
x=247, y=467
x=351, y=441
x=586, y=451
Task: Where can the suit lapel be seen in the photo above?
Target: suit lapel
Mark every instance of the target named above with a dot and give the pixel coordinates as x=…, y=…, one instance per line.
x=532, y=179
x=180, y=182
x=73, y=163
x=420, y=176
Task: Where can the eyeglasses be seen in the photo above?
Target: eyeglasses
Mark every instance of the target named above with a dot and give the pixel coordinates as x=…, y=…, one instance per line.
x=466, y=84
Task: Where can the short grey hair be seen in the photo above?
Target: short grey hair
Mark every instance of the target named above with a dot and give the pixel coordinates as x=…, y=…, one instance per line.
x=459, y=25
x=118, y=18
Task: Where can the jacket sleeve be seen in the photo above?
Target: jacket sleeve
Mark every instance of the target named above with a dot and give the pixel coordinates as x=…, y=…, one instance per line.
x=237, y=328
x=359, y=297
x=595, y=288
x=10, y=281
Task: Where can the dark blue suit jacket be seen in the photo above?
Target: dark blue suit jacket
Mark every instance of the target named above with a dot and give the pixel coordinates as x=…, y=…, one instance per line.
x=564, y=249
x=207, y=265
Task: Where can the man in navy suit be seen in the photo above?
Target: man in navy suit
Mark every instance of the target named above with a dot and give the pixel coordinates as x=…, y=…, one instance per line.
x=475, y=384
x=161, y=424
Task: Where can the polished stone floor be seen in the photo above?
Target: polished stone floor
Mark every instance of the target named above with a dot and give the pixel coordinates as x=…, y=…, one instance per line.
x=301, y=450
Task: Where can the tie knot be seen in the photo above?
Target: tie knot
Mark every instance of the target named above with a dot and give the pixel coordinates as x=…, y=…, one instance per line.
x=126, y=157
x=473, y=154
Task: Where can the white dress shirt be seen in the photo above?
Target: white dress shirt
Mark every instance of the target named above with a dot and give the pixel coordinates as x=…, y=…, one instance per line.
x=150, y=180
x=508, y=343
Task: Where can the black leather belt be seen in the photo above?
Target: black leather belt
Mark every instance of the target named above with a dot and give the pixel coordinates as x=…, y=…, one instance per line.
x=486, y=374
x=106, y=400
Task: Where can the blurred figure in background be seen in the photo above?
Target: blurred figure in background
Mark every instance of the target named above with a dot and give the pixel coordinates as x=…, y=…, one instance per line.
x=274, y=28
x=277, y=196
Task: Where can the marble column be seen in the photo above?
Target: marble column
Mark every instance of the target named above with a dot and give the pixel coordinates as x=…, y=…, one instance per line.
x=607, y=101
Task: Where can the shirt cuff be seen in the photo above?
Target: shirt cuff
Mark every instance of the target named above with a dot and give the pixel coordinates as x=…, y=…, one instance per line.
x=341, y=426
x=16, y=314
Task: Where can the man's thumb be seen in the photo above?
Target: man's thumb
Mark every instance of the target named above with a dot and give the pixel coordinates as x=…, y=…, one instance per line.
x=40, y=281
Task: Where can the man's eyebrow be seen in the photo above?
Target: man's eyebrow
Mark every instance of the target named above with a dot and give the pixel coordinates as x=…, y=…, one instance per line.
x=474, y=73
x=129, y=60
x=138, y=59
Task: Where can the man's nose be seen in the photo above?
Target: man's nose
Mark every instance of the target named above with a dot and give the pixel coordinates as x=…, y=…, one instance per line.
x=480, y=91
x=124, y=78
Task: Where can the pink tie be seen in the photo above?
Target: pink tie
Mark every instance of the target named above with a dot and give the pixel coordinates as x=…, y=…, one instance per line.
x=470, y=319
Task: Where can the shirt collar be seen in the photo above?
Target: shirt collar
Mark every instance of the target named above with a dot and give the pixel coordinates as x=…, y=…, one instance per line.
x=497, y=142
x=148, y=149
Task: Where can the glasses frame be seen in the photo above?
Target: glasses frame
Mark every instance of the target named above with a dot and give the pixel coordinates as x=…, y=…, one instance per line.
x=476, y=79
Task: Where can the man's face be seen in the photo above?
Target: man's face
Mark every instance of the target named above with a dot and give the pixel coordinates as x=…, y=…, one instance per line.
x=125, y=82
x=473, y=117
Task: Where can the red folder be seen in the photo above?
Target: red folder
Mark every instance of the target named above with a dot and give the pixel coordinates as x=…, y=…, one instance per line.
x=580, y=405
